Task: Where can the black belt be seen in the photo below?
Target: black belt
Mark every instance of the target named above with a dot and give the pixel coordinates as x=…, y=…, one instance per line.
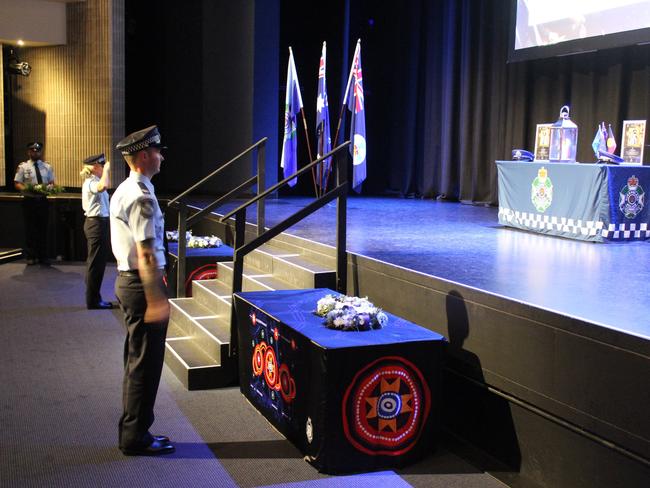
x=97, y=217
x=131, y=273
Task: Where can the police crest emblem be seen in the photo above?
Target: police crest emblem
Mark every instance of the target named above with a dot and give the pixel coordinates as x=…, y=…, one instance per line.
x=542, y=190
x=631, y=198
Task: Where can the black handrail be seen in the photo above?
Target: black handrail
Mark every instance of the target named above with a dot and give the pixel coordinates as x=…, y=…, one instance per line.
x=275, y=187
x=241, y=248
x=216, y=172
x=184, y=222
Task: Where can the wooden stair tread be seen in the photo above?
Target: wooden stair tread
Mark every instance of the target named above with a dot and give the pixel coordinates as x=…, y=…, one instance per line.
x=190, y=353
x=218, y=327
x=191, y=307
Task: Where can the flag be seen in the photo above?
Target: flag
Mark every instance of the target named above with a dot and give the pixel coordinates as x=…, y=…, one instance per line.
x=292, y=106
x=358, y=124
x=324, y=142
x=611, y=141
x=600, y=140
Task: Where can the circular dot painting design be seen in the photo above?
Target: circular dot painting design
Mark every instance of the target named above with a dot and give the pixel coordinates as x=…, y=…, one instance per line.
x=385, y=407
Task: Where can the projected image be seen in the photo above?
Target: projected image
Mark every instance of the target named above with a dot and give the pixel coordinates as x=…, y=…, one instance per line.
x=548, y=22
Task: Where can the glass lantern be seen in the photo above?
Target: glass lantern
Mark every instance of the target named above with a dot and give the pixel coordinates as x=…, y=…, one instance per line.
x=564, y=139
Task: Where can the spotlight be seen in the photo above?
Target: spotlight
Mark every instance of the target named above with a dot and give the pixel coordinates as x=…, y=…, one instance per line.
x=22, y=68
x=17, y=67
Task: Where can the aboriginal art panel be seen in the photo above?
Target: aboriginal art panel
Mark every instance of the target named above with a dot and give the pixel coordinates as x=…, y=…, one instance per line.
x=350, y=401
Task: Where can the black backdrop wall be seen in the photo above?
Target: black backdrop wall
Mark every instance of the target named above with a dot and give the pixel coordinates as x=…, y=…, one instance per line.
x=442, y=104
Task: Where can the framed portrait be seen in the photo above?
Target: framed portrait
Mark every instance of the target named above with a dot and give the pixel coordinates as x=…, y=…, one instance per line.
x=633, y=141
x=542, y=141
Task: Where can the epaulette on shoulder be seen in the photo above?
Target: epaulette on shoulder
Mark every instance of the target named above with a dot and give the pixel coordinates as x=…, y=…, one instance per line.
x=144, y=188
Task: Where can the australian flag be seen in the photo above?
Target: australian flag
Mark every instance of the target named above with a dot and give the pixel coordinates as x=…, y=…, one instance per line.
x=324, y=142
x=293, y=104
x=358, y=124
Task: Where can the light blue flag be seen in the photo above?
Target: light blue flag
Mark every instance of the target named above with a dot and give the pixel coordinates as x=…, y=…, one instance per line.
x=293, y=104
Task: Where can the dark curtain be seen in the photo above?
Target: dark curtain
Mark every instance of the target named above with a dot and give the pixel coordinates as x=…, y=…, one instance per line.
x=442, y=103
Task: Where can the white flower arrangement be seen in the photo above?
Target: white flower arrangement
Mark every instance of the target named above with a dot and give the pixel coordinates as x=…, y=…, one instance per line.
x=202, y=242
x=350, y=313
x=43, y=189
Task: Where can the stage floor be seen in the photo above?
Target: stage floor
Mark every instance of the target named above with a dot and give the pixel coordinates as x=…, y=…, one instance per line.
x=601, y=283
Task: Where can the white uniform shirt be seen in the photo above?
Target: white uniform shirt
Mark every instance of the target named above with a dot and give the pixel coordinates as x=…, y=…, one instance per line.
x=135, y=217
x=94, y=203
x=26, y=173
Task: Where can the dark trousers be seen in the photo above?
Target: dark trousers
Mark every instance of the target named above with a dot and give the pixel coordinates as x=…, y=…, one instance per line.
x=96, y=230
x=35, y=214
x=144, y=352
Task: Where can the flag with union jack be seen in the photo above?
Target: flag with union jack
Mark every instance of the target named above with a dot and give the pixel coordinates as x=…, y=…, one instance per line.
x=324, y=142
x=293, y=104
x=356, y=105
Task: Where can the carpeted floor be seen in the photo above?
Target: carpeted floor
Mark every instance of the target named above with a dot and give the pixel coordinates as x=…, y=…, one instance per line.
x=60, y=374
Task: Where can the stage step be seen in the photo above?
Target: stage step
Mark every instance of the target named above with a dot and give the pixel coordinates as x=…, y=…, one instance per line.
x=194, y=368
x=9, y=255
x=199, y=329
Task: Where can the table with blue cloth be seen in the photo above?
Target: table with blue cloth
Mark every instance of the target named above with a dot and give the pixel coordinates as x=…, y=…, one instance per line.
x=351, y=401
x=200, y=264
x=591, y=202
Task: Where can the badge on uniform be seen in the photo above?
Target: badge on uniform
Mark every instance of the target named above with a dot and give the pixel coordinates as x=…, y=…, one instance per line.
x=146, y=207
x=144, y=188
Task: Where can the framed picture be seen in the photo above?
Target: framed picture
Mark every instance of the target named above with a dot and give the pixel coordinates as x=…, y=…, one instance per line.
x=633, y=141
x=542, y=141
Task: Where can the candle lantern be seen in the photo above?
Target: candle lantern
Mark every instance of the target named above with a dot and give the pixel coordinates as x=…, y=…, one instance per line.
x=564, y=139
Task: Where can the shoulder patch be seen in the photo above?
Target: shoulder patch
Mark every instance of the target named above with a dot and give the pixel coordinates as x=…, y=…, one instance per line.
x=144, y=188
x=146, y=207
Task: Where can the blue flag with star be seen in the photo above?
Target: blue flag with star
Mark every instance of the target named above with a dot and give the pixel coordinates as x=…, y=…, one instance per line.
x=324, y=142
x=292, y=106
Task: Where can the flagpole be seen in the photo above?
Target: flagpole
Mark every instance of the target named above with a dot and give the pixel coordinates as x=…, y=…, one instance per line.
x=313, y=172
x=304, y=121
x=345, y=102
x=321, y=143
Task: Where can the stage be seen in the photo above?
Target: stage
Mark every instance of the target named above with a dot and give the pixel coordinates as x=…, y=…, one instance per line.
x=545, y=334
x=604, y=284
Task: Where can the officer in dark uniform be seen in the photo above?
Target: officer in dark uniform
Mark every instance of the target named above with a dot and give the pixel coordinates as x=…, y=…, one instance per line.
x=137, y=229
x=29, y=174
x=94, y=200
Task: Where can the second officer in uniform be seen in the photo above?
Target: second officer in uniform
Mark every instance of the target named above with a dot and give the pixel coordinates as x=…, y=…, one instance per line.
x=94, y=200
x=137, y=229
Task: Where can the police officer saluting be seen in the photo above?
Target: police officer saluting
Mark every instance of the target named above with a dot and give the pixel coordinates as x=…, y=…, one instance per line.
x=94, y=200
x=137, y=239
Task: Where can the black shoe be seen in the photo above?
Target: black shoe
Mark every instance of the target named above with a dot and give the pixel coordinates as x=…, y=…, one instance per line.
x=44, y=262
x=156, y=448
x=161, y=438
x=100, y=306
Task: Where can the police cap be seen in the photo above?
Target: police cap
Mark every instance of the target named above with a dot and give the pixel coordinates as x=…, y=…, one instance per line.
x=522, y=155
x=609, y=157
x=142, y=139
x=36, y=146
x=96, y=159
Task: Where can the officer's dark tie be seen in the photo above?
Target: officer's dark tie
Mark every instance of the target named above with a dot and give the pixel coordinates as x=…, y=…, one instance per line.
x=39, y=178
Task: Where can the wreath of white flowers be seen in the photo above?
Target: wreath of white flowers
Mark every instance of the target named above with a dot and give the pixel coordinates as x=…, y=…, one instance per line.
x=202, y=242
x=350, y=313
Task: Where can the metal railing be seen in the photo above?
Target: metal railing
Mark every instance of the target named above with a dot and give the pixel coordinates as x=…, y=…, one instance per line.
x=242, y=248
x=184, y=223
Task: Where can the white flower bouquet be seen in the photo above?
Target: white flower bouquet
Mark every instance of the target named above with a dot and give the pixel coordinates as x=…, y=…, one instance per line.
x=350, y=313
x=202, y=242
x=43, y=189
